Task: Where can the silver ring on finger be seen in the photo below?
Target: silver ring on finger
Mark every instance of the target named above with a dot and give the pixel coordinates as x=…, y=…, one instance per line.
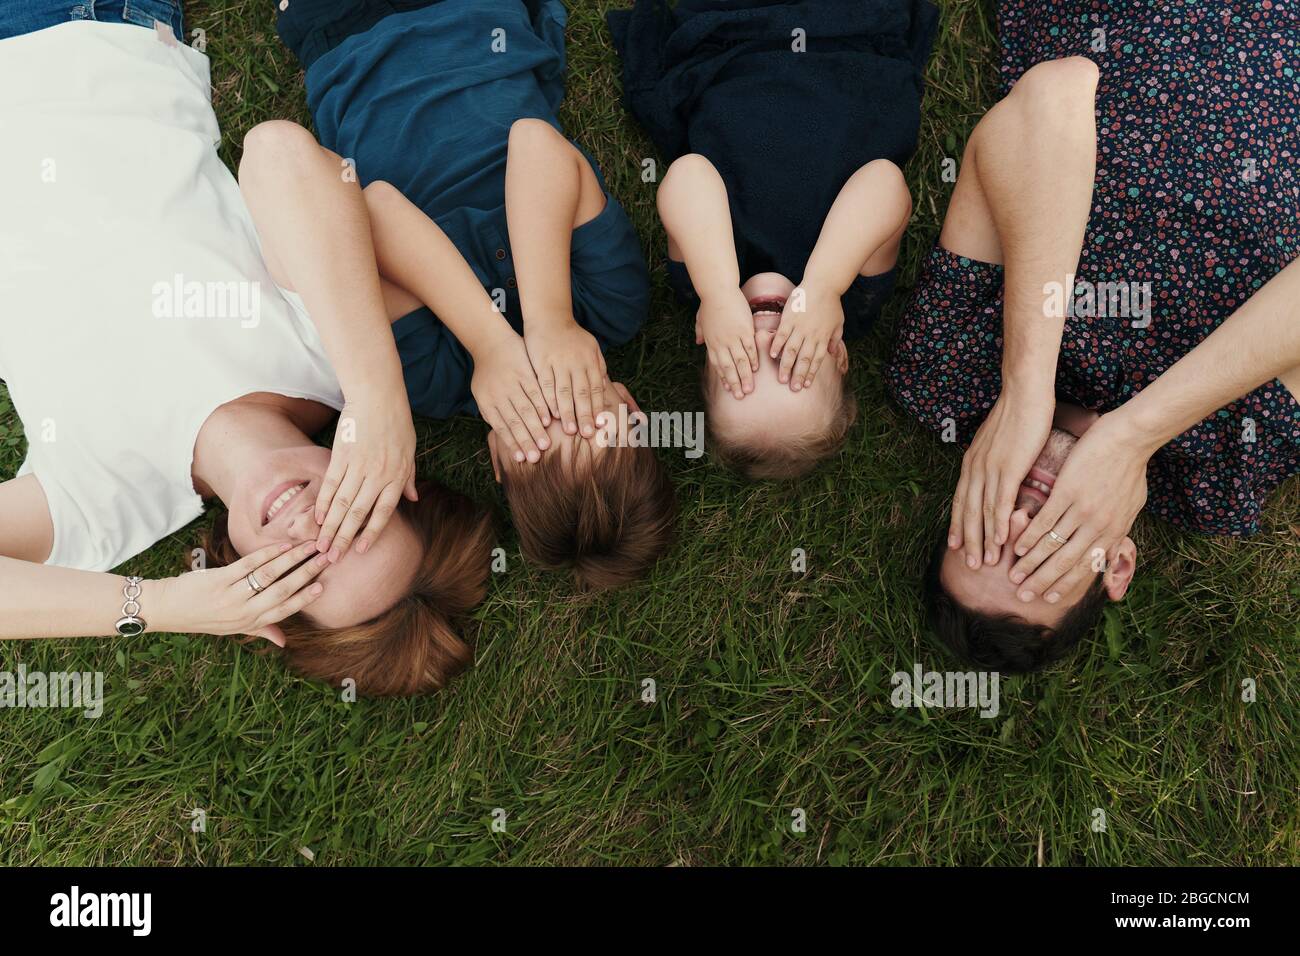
x=1056, y=537
x=254, y=585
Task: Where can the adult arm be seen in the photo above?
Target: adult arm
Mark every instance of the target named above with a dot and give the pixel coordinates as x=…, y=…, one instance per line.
x=1102, y=485
x=315, y=234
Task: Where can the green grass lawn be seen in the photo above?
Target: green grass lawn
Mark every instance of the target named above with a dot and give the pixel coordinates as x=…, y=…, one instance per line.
x=773, y=687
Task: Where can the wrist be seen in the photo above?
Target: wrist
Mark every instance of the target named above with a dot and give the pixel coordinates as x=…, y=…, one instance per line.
x=1134, y=428
x=817, y=281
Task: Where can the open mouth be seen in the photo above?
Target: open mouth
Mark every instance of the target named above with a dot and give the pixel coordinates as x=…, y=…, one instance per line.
x=1035, y=489
x=280, y=497
x=766, y=303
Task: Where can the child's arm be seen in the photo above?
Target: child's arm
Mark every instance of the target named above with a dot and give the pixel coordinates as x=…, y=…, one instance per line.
x=693, y=205
x=416, y=255
x=550, y=191
x=859, y=237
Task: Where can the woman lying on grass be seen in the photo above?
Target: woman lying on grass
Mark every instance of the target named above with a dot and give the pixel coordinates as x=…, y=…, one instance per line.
x=154, y=364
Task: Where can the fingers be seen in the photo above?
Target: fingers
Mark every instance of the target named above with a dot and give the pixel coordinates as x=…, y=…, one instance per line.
x=410, y=491
x=955, y=516
x=354, y=517
x=546, y=385
x=287, y=558
x=740, y=359
x=535, y=424
x=1072, y=579
x=726, y=367
x=289, y=585
x=1056, y=565
x=380, y=516
x=1044, y=521
x=788, y=356
x=524, y=439
x=781, y=337
x=538, y=400
x=564, y=395
x=801, y=377
x=251, y=562
x=1003, y=504
x=340, y=504
x=582, y=392
x=270, y=633
x=992, y=550
x=818, y=358
x=972, y=519
x=330, y=486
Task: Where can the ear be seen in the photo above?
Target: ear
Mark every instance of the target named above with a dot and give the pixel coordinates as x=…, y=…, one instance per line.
x=492, y=453
x=842, y=356
x=1119, y=570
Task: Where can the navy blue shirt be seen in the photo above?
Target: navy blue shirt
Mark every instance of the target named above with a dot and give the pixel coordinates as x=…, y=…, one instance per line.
x=424, y=100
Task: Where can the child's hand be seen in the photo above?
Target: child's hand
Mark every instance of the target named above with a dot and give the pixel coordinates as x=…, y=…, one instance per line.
x=509, y=398
x=571, y=371
x=812, y=326
x=726, y=325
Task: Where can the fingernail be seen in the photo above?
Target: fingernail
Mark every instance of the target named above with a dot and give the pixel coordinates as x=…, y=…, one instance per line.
x=990, y=556
x=320, y=518
x=322, y=561
x=317, y=589
x=543, y=444
x=323, y=544
x=972, y=562
x=1020, y=550
x=1026, y=596
x=519, y=456
x=952, y=541
x=334, y=555
x=312, y=546
x=1017, y=577
x=1053, y=598
x=363, y=547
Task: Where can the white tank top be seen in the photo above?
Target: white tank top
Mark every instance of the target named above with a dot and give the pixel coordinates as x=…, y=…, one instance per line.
x=133, y=296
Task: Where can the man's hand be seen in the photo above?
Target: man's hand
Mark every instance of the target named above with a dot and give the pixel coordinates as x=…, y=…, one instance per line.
x=812, y=326
x=570, y=370
x=725, y=323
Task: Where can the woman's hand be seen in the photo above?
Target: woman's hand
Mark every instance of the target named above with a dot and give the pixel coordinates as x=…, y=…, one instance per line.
x=1098, y=494
x=570, y=370
x=221, y=601
x=509, y=397
x=725, y=326
x=372, y=466
x=997, y=461
x=812, y=326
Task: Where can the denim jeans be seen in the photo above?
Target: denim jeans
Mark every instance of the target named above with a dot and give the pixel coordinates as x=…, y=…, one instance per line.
x=27, y=16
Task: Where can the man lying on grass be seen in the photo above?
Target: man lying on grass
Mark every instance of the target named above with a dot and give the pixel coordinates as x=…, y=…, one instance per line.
x=1121, y=180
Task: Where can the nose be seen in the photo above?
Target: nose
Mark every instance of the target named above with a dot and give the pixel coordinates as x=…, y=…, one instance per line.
x=302, y=526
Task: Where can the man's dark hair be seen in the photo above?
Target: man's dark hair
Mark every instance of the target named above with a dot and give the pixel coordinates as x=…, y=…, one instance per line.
x=1005, y=642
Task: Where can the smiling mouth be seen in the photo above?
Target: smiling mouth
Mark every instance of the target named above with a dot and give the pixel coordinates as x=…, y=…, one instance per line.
x=282, y=499
x=1037, y=486
x=766, y=303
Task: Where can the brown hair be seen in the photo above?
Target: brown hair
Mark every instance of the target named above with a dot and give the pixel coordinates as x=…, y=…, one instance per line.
x=782, y=457
x=608, y=516
x=1005, y=642
x=413, y=647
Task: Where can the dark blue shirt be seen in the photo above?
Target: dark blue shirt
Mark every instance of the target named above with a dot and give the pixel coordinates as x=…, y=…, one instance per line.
x=425, y=100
